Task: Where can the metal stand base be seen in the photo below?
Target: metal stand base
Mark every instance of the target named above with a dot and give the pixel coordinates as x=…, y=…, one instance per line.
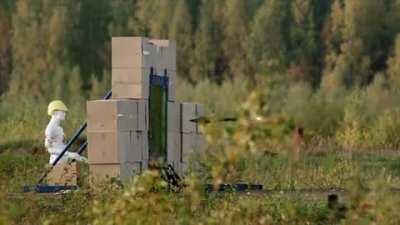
x=48, y=188
x=239, y=187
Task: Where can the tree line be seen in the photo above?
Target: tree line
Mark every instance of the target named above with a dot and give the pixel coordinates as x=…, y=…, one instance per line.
x=49, y=46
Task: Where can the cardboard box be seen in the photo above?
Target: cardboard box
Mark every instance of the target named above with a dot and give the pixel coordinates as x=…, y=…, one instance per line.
x=167, y=49
x=172, y=85
x=122, y=171
x=105, y=147
x=178, y=168
x=131, y=76
x=130, y=83
x=131, y=52
x=141, y=146
x=174, y=120
x=185, y=167
x=130, y=91
x=188, y=145
x=174, y=147
x=201, y=142
x=144, y=115
x=103, y=172
x=63, y=174
x=117, y=115
x=199, y=110
x=192, y=143
x=145, y=151
x=190, y=111
x=130, y=169
x=132, y=58
x=199, y=113
x=117, y=147
x=157, y=59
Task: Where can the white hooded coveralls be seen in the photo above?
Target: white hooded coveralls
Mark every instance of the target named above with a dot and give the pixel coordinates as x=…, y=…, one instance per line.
x=54, y=141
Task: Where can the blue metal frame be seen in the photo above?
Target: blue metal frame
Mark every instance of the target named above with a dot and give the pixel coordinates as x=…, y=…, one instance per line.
x=161, y=81
x=49, y=188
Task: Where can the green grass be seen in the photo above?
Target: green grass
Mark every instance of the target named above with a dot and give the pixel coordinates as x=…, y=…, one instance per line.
x=136, y=203
x=236, y=153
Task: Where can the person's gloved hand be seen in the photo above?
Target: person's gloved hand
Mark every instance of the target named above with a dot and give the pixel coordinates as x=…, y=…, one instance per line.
x=76, y=156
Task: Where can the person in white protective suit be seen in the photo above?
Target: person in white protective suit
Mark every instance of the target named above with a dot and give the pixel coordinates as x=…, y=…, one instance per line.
x=54, y=141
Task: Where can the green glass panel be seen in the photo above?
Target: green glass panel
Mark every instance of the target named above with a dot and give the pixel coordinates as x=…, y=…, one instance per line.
x=158, y=123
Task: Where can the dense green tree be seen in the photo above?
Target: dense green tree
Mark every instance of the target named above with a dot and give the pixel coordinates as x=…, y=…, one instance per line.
x=303, y=45
x=87, y=41
x=235, y=21
x=5, y=50
x=347, y=42
x=194, y=7
x=123, y=18
x=155, y=16
x=7, y=7
x=394, y=65
x=208, y=55
x=100, y=87
x=38, y=46
x=366, y=21
x=181, y=32
x=267, y=45
x=358, y=43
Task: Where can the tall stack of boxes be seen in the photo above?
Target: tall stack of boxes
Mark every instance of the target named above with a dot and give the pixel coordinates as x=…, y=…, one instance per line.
x=118, y=129
x=117, y=134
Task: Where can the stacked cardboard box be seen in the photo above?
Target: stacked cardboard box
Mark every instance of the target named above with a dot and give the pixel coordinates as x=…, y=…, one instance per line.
x=132, y=61
x=174, y=135
x=63, y=174
x=192, y=139
x=166, y=62
x=117, y=134
x=184, y=135
x=118, y=128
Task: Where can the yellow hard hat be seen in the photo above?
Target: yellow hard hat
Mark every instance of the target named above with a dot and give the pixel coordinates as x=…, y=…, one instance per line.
x=56, y=105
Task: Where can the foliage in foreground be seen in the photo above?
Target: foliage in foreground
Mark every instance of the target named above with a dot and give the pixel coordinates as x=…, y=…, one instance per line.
x=237, y=152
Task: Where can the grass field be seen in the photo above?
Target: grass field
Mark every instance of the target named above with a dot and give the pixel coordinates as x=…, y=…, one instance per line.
x=369, y=181
x=341, y=153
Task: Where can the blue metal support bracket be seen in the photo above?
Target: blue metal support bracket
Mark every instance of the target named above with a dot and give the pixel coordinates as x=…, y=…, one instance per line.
x=49, y=188
x=161, y=81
